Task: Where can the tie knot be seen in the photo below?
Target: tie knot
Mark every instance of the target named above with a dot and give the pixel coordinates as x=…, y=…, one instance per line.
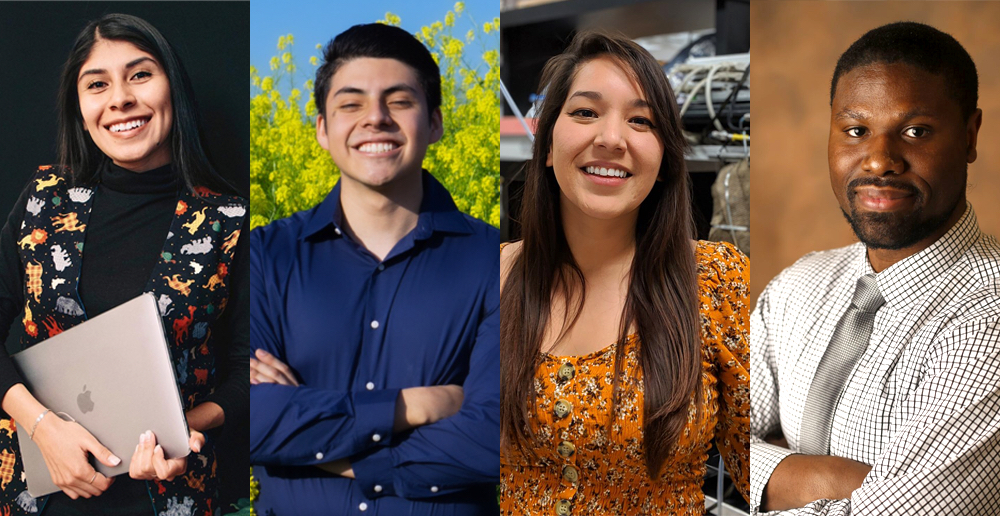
x=867, y=297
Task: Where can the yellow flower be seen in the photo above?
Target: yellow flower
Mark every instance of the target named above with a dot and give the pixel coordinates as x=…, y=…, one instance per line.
x=313, y=61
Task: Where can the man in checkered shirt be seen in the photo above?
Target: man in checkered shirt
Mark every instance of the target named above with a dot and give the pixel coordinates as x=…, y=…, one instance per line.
x=916, y=427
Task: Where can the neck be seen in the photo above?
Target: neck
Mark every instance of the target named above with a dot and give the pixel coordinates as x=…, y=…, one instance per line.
x=379, y=217
x=882, y=259
x=599, y=246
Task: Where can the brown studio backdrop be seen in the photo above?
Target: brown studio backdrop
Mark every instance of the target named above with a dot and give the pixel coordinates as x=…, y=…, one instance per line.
x=795, y=46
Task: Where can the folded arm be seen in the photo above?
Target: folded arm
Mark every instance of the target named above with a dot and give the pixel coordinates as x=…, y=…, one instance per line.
x=946, y=457
x=456, y=452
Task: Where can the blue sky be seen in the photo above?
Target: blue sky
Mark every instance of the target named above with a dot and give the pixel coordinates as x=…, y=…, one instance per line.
x=317, y=21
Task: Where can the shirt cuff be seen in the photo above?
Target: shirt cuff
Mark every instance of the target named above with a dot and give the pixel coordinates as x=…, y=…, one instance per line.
x=375, y=416
x=373, y=473
x=764, y=458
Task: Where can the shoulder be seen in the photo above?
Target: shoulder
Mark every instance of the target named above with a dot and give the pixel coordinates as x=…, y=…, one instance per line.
x=816, y=270
x=720, y=259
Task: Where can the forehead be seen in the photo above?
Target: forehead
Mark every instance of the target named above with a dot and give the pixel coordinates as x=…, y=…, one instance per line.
x=887, y=89
x=110, y=52
x=373, y=74
x=609, y=77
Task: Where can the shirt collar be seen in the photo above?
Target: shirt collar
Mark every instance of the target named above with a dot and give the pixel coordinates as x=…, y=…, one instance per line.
x=910, y=278
x=438, y=213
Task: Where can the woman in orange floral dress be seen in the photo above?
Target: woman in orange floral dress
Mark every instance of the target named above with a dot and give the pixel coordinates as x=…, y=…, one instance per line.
x=626, y=350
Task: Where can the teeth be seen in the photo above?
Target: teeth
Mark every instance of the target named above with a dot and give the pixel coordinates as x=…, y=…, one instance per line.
x=606, y=172
x=376, y=148
x=125, y=126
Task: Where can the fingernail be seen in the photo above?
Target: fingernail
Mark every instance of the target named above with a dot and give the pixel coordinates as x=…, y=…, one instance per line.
x=158, y=449
x=142, y=438
x=261, y=353
x=115, y=460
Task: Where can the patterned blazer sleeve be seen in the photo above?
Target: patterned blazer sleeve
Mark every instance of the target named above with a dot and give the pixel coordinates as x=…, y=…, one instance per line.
x=732, y=363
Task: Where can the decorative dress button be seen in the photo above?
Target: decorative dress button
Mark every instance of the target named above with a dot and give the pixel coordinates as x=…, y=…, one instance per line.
x=377, y=488
x=374, y=325
x=381, y=267
x=571, y=474
x=563, y=408
x=566, y=449
x=370, y=386
x=434, y=489
x=319, y=455
x=376, y=437
x=363, y=507
x=566, y=372
x=564, y=507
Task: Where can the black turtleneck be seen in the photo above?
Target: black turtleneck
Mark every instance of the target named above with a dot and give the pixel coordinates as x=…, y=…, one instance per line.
x=131, y=216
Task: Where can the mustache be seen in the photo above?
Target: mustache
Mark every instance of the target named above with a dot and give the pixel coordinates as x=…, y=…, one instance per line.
x=882, y=182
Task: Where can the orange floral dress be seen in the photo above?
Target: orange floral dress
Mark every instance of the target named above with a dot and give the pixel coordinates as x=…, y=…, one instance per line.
x=584, y=470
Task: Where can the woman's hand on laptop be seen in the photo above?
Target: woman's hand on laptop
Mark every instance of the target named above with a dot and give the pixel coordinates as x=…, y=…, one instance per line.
x=149, y=463
x=65, y=446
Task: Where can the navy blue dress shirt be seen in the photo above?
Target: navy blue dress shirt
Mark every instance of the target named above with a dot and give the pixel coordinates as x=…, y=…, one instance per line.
x=356, y=331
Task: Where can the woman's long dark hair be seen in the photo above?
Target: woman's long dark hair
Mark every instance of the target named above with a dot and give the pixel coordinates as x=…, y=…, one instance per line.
x=77, y=151
x=662, y=294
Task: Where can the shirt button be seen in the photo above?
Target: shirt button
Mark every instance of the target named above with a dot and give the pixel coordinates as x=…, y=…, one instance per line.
x=563, y=408
x=336, y=230
x=376, y=437
x=370, y=386
x=563, y=507
x=570, y=474
x=374, y=325
x=434, y=489
x=381, y=267
x=363, y=506
x=566, y=372
x=566, y=449
x=378, y=488
x=319, y=455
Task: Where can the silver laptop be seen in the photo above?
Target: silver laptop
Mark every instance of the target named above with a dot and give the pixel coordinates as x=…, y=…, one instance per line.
x=112, y=374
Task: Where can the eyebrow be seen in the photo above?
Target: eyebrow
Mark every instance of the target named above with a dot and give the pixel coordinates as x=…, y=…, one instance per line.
x=130, y=64
x=849, y=114
x=596, y=96
x=388, y=91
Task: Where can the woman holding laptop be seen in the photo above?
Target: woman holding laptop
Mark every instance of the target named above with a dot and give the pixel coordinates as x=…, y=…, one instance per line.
x=135, y=189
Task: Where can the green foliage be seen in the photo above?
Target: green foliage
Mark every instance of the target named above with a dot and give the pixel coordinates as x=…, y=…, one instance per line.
x=290, y=172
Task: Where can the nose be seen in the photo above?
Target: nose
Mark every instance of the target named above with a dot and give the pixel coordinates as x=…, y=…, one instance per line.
x=610, y=135
x=122, y=97
x=883, y=157
x=378, y=115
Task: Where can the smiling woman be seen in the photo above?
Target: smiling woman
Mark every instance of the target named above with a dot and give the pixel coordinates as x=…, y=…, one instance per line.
x=625, y=350
x=133, y=181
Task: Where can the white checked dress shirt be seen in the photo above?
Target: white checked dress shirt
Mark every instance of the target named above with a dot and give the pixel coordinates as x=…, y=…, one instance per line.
x=922, y=406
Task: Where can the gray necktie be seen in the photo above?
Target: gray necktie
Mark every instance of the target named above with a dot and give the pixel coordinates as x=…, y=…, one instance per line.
x=849, y=342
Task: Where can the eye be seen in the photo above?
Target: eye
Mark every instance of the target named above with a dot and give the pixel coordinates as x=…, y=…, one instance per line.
x=142, y=75
x=856, y=132
x=915, y=132
x=401, y=103
x=583, y=113
x=641, y=120
x=96, y=85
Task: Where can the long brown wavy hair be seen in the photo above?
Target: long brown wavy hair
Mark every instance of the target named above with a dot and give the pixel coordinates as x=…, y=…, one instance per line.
x=661, y=303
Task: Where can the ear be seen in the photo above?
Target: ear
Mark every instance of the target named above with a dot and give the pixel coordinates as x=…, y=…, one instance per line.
x=548, y=157
x=437, y=126
x=972, y=133
x=321, y=133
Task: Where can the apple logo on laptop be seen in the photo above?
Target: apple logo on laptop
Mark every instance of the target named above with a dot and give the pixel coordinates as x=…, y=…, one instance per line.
x=84, y=402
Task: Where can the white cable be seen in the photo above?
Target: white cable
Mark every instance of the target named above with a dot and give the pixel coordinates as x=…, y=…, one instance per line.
x=517, y=112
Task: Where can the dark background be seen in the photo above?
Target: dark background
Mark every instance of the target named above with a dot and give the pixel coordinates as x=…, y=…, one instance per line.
x=211, y=39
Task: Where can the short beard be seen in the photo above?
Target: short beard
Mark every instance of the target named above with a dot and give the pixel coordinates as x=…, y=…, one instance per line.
x=893, y=231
